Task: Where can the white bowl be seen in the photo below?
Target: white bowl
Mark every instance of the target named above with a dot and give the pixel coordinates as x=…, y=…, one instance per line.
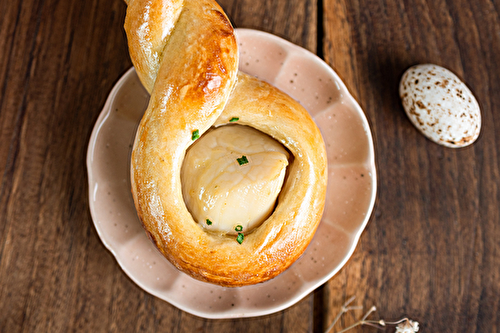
x=349, y=203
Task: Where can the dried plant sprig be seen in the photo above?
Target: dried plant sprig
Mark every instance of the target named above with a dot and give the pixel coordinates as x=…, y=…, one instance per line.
x=407, y=326
x=344, y=309
x=404, y=325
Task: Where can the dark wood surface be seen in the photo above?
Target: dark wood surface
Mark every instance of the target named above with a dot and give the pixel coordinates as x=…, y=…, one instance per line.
x=431, y=250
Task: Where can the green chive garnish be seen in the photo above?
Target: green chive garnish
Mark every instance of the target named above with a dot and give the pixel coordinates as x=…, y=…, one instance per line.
x=242, y=160
x=195, y=135
x=234, y=119
x=209, y=222
x=240, y=237
x=238, y=228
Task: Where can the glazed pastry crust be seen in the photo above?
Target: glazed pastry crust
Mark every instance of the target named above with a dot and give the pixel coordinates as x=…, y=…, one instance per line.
x=196, y=87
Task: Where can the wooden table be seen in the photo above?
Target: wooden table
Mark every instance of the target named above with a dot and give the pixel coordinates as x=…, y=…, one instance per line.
x=431, y=250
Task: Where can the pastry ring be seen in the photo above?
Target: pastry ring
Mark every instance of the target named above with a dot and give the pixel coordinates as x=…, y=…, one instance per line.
x=185, y=53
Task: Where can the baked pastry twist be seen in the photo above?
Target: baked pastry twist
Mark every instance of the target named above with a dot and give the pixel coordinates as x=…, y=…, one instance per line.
x=185, y=54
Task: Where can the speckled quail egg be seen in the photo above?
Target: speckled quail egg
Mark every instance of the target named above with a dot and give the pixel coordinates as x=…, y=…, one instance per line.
x=440, y=105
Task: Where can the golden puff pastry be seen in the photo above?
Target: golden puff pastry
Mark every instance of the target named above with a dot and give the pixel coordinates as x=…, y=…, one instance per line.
x=185, y=54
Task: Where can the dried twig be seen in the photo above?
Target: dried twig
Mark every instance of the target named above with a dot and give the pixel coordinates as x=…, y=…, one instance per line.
x=404, y=325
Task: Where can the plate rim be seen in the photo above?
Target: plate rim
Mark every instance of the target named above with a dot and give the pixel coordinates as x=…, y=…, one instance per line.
x=302, y=292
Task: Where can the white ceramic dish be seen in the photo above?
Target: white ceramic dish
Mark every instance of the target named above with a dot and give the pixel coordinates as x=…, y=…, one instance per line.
x=350, y=198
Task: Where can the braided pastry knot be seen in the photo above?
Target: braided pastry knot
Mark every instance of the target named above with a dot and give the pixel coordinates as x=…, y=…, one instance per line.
x=239, y=204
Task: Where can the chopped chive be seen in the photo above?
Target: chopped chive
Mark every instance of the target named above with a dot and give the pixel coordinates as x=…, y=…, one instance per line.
x=240, y=237
x=209, y=222
x=195, y=135
x=234, y=119
x=238, y=228
x=242, y=160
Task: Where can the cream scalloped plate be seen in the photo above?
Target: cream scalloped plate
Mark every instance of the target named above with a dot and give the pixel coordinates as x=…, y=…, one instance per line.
x=350, y=198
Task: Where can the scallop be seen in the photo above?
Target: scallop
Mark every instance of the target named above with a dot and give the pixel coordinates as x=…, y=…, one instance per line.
x=440, y=105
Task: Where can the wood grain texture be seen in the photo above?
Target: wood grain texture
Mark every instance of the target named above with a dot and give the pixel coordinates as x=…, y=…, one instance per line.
x=431, y=251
